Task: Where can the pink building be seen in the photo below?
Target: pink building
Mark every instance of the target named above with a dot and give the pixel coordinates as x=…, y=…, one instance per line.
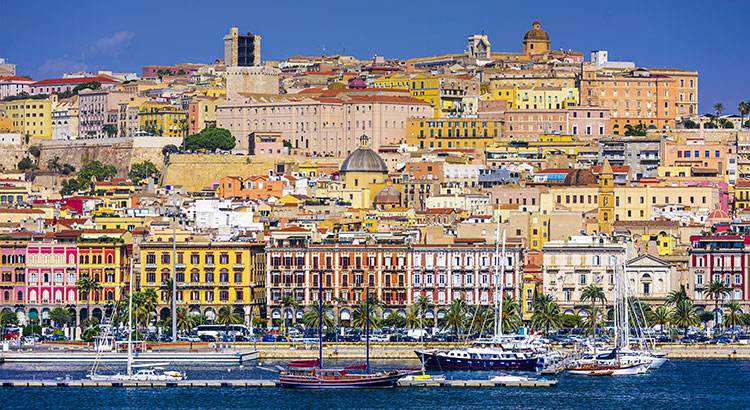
x=12, y=273
x=265, y=143
x=51, y=276
x=58, y=85
x=12, y=86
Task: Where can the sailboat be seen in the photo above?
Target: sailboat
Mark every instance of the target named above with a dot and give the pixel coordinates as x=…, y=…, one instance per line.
x=310, y=374
x=152, y=372
x=424, y=376
x=501, y=352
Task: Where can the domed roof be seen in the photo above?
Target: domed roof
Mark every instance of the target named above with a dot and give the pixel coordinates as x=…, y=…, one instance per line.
x=580, y=177
x=388, y=195
x=536, y=33
x=363, y=159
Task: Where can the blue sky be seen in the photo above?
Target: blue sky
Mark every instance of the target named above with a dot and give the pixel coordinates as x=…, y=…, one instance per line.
x=46, y=38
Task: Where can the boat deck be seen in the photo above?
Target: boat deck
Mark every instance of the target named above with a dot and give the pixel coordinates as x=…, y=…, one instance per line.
x=258, y=383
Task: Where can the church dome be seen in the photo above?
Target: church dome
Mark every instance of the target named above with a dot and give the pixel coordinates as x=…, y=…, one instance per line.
x=536, y=33
x=363, y=159
x=580, y=177
x=357, y=83
x=387, y=195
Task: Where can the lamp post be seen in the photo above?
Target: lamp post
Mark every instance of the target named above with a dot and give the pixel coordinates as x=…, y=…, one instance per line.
x=174, y=215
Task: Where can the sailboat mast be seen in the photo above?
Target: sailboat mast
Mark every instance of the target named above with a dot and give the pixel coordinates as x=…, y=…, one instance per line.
x=500, y=279
x=367, y=327
x=497, y=245
x=320, y=321
x=130, y=320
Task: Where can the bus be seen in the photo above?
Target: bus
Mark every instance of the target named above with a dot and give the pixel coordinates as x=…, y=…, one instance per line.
x=216, y=330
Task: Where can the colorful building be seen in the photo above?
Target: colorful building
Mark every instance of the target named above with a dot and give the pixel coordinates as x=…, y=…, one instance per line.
x=453, y=133
x=30, y=117
x=165, y=120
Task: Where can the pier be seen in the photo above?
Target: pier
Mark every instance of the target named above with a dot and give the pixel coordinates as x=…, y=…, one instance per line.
x=258, y=383
x=87, y=358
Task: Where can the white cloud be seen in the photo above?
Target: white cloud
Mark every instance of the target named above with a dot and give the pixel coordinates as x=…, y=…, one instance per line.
x=112, y=44
x=56, y=66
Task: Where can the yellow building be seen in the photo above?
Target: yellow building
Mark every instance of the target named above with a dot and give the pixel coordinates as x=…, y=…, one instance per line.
x=742, y=194
x=165, y=120
x=30, y=117
x=606, y=198
x=117, y=222
x=427, y=88
x=471, y=133
x=533, y=97
x=202, y=113
x=394, y=81
x=209, y=276
x=363, y=174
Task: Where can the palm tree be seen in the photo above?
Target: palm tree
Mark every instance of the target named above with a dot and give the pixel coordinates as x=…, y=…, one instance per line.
x=87, y=285
x=659, y=316
x=454, y=319
x=684, y=315
x=149, y=301
x=719, y=109
x=676, y=296
x=546, y=314
x=227, y=317
x=361, y=314
x=422, y=306
x=287, y=303
x=510, y=315
x=717, y=289
x=732, y=317
x=744, y=108
x=184, y=321
x=311, y=318
x=590, y=322
x=166, y=287
x=413, y=318
x=593, y=294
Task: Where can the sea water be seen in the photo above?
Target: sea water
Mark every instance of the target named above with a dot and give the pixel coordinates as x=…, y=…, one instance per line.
x=684, y=383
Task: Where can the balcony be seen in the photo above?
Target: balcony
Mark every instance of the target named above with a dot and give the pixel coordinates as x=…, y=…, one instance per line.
x=223, y=284
x=238, y=266
x=150, y=266
x=209, y=266
x=179, y=265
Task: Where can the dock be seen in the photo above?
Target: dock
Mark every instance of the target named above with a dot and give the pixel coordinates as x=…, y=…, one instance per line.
x=87, y=358
x=257, y=383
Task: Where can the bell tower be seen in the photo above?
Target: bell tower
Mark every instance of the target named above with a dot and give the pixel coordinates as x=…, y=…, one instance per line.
x=606, y=198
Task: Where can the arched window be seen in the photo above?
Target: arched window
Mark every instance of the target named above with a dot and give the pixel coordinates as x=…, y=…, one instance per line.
x=19, y=296
x=6, y=296
x=110, y=259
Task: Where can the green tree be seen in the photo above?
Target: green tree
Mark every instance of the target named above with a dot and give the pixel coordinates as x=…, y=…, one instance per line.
x=289, y=303
x=394, y=320
x=638, y=131
x=210, y=139
x=89, y=85
x=705, y=317
x=676, y=296
x=25, y=164
x=227, y=317
x=166, y=287
x=35, y=151
x=142, y=170
x=311, y=318
x=90, y=334
x=719, y=109
x=732, y=317
x=546, y=314
x=8, y=318
x=716, y=290
x=169, y=149
x=455, y=318
x=593, y=294
x=61, y=316
x=684, y=315
x=184, y=322
x=690, y=124
x=511, y=318
x=659, y=316
x=55, y=165
x=83, y=181
x=360, y=314
x=87, y=285
x=110, y=130
x=32, y=329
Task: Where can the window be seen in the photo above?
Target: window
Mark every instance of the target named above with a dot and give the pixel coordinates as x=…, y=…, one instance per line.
x=582, y=279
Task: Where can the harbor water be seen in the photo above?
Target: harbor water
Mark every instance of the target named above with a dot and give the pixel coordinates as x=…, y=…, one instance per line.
x=691, y=383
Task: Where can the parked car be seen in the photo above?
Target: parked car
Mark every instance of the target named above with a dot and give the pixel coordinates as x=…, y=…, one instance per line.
x=207, y=338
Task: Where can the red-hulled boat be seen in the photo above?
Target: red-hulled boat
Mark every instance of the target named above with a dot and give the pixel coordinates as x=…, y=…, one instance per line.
x=310, y=374
x=305, y=374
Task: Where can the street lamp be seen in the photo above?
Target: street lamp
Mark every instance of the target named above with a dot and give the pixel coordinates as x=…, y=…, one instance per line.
x=174, y=215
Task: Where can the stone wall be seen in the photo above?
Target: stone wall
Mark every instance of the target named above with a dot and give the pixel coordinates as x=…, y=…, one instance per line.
x=120, y=152
x=196, y=171
x=11, y=154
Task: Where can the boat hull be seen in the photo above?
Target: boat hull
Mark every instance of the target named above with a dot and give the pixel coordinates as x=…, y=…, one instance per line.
x=386, y=380
x=436, y=361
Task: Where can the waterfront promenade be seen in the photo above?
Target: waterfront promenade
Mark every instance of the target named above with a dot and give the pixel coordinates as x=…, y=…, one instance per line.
x=206, y=352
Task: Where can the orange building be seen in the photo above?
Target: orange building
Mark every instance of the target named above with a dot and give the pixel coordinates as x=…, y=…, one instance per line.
x=654, y=97
x=252, y=187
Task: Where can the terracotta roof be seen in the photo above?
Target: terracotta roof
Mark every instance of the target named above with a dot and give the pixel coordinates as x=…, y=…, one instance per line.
x=15, y=78
x=292, y=229
x=439, y=210
x=647, y=223
x=555, y=171
x=75, y=80
x=20, y=211
x=616, y=169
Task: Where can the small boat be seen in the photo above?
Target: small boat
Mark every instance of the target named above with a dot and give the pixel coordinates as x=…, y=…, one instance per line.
x=506, y=377
x=155, y=374
x=617, y=370
x=424, y=377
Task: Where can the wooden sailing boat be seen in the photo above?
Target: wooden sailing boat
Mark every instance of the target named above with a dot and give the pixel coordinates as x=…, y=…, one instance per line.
x=310, y=374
